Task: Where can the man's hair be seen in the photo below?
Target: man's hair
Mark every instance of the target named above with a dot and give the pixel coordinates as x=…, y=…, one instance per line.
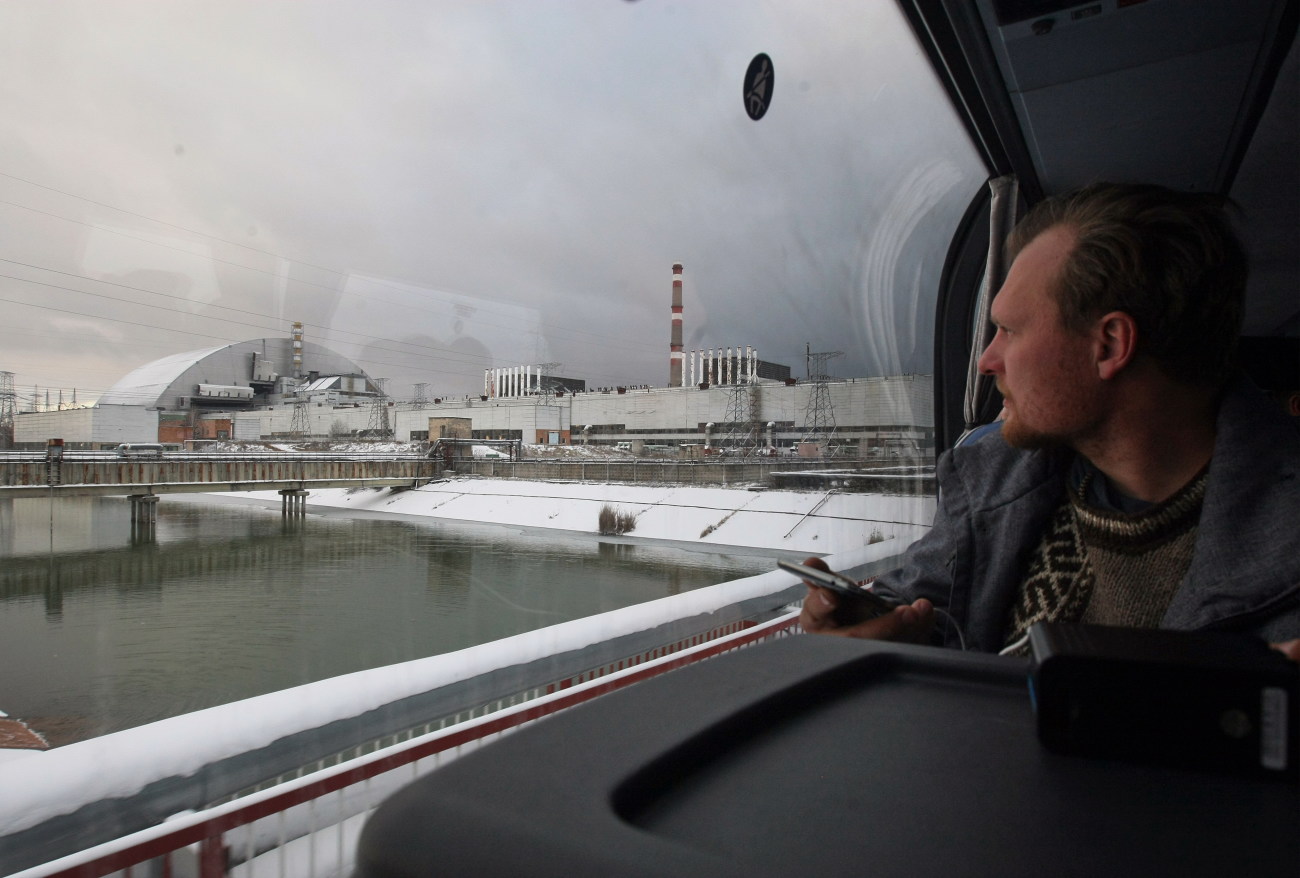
x=1171, y=260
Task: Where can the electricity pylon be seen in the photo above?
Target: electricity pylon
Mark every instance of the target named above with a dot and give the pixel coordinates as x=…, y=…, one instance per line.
x=379, y=427
x=819, y=416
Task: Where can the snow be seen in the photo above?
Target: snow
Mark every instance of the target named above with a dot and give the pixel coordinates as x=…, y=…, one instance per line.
x=799, y=522
x=58, y=781
x=812, y=522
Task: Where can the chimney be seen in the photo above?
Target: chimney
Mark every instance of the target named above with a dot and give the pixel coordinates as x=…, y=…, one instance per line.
x=675, y=346
x=297, y=350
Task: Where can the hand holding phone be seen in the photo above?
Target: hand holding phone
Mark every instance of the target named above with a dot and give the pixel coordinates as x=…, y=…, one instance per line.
x=856, y=604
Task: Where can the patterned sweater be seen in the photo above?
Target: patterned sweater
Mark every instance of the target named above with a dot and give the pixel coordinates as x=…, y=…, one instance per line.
x=1099, y=565
x=995, y=502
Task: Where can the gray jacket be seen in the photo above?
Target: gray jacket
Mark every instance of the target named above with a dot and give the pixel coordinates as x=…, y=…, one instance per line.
x=994, y=502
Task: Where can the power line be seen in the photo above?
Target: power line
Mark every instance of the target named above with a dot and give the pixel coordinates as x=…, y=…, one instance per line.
x=599, y=337
x=221, y=338
x=558, y=332
x=274, y=328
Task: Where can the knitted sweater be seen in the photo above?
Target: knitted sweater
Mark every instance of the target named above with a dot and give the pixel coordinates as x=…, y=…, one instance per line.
x=1106, y=567
x=995, y=501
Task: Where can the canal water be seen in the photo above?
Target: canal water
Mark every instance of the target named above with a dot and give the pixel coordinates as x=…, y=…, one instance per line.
x=231, y=600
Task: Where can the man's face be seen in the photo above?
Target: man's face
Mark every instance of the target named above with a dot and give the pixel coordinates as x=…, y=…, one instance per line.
x=1044, y=371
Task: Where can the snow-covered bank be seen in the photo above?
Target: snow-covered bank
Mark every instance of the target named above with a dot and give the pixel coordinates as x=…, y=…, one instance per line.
x=799, y=521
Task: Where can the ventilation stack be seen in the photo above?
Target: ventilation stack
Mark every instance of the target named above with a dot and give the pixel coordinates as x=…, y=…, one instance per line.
x=675, y=346
x=297, y=350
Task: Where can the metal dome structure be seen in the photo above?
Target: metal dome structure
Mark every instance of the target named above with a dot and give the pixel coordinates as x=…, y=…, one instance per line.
x=244, y=372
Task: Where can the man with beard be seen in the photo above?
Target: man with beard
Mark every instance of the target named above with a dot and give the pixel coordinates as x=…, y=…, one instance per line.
x=1137, y=479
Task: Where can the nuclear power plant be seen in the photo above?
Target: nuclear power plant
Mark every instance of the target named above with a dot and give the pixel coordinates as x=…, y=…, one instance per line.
x=719, y=399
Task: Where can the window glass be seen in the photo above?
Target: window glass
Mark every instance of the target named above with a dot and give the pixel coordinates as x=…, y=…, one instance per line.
x=438, y=189
x=281, y=227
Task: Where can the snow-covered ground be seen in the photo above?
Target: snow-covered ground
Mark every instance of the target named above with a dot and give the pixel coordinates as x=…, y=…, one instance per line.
x=802, y=521
x=815, y=522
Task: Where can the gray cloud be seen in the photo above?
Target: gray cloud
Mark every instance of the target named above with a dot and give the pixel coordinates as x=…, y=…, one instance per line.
x=374, y=170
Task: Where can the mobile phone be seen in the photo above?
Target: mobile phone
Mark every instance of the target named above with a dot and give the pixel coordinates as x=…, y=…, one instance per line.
x=857, y=604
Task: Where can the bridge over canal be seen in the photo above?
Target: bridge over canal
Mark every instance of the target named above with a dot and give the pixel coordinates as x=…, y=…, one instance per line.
x=89, y=473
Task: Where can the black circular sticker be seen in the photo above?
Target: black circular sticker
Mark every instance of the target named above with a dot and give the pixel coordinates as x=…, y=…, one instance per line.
x=758, y=86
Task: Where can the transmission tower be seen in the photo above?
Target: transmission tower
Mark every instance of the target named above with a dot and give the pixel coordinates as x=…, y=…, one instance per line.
x=819, y=416
x=379, y=427
x=298, y=429
x=742, y=435
x=8, y=406
x=421, y=395
x=546, y=383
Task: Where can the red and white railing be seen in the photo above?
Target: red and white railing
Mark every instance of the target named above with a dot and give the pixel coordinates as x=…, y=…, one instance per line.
x=308, y=826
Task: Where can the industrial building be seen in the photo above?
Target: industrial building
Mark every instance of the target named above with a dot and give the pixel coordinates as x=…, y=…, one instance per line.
x=98, y=426
x=722, y=398
x=865, y=416
x=166, y=400
x=265, y=371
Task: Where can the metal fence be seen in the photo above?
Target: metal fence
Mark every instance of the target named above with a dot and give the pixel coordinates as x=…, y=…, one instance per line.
x=308, y=825
x=289, y=743
x=100, y=473
x=918, y=479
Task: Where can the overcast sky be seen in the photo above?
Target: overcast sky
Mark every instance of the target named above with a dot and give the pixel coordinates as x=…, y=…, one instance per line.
x=439, y=188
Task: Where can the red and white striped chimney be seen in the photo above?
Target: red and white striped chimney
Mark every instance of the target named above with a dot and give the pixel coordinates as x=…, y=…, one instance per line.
x=675, y=354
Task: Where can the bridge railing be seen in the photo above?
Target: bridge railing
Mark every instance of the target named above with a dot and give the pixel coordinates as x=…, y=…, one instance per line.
x=107, y=469
x=107, y=454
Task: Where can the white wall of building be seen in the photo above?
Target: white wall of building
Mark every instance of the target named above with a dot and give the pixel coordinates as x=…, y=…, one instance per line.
x=101, y=424
x=860, y=405
x=71, y=425
x=124, y=423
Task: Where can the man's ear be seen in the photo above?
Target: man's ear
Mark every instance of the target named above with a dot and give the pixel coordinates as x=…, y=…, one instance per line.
x=1115, y=337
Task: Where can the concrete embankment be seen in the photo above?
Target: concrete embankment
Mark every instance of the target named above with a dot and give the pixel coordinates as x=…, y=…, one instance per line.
x=814, y=522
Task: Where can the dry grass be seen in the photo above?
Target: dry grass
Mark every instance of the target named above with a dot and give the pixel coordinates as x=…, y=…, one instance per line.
x=615, y=521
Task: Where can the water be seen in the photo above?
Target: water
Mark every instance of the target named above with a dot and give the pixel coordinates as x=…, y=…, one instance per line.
x=230, y=601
